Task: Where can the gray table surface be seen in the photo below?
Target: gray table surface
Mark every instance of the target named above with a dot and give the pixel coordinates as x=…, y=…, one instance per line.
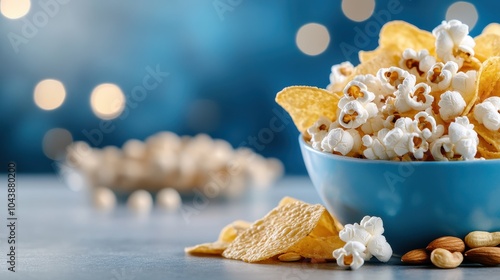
x=60, y=236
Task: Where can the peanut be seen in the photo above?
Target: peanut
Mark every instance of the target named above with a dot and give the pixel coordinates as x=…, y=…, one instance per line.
x=477, y=239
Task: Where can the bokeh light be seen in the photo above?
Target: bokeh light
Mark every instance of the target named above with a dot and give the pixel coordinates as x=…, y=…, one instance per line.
x=55, y=142
x=463, y=11
x=49, y=94
x=358, y=10
x=107, y=101
x=312, y=38
x=14, y=9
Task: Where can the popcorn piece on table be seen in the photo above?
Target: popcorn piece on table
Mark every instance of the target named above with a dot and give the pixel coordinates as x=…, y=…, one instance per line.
x=169, y=199
x=103, y=198
x=140, y=201
x=363, y=241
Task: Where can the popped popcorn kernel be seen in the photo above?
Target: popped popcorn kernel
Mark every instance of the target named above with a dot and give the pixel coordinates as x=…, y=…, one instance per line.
x=413, y=97
x=355, y=250
x=426, y=125
x=463, y=137
x=451, y=105
x=440, y=75
x=417, y=63
x=363, y=241
x=487, y=113
x=356, y=90
x=442, y=149
x=318, y=131
x=341, y=141
x=392, y=77
x=453, y=42
x=353, y=115
x=340, y=73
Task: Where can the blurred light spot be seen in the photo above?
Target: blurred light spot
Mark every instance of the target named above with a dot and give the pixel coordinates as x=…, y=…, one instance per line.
x=49, y=94
x=55, y=143
x=312, y=38
x=107, y=101
x=463, y=11
x=203, y=115
x=358, y=10
x=15, y=9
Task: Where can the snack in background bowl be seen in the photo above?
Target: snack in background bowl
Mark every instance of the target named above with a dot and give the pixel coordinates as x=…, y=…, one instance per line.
x=167, y=165
x=404, y=135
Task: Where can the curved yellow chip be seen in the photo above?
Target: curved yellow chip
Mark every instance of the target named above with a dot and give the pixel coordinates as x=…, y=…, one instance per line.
x=226, y=236
x=231, y=231
x=399, y=35
x=306, y=104
x=489, y=78
x=487, y=45
x=489, y=140
x=282, y=228
x=214, y=248
x=487, y=150
x=492, y=28
x=384, y=58
x=317, y=247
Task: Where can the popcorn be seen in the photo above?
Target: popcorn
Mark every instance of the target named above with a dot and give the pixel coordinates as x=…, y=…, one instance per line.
x=440, y=75
x=318, y=131
x=354, y=249
x=463, y=137
x=363, y=241
x=339, y=75
x=453, y=42
x=451, y=105
x=426, y=125
x=417, y=63
x=392, y=77
x=487, y=113
x=465, y=83
x=442, y=149
x=356, y=90
x=353, y=114
x=375, y=148
x=373, y=125
x=341, y=141
x=410, y=96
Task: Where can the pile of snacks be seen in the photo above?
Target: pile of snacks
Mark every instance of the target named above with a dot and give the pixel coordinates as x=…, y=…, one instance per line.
x=418, y=96
x=165, y=160
x=449, y=251
x=296, y=231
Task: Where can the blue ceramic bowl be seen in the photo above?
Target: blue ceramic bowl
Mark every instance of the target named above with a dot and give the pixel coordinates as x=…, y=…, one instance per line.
x=418, y=201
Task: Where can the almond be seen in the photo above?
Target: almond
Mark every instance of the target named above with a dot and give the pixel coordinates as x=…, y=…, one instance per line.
x=417, y=256
x=450, y=243
x=489, y=256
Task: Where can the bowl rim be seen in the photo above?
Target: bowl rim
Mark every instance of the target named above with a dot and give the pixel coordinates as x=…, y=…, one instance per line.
x=303, y=143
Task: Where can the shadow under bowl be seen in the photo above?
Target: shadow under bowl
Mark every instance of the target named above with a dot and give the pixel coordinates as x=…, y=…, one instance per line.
x=417, y=201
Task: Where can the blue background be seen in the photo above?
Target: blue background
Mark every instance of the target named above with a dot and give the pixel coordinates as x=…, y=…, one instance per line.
x=224, y=68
